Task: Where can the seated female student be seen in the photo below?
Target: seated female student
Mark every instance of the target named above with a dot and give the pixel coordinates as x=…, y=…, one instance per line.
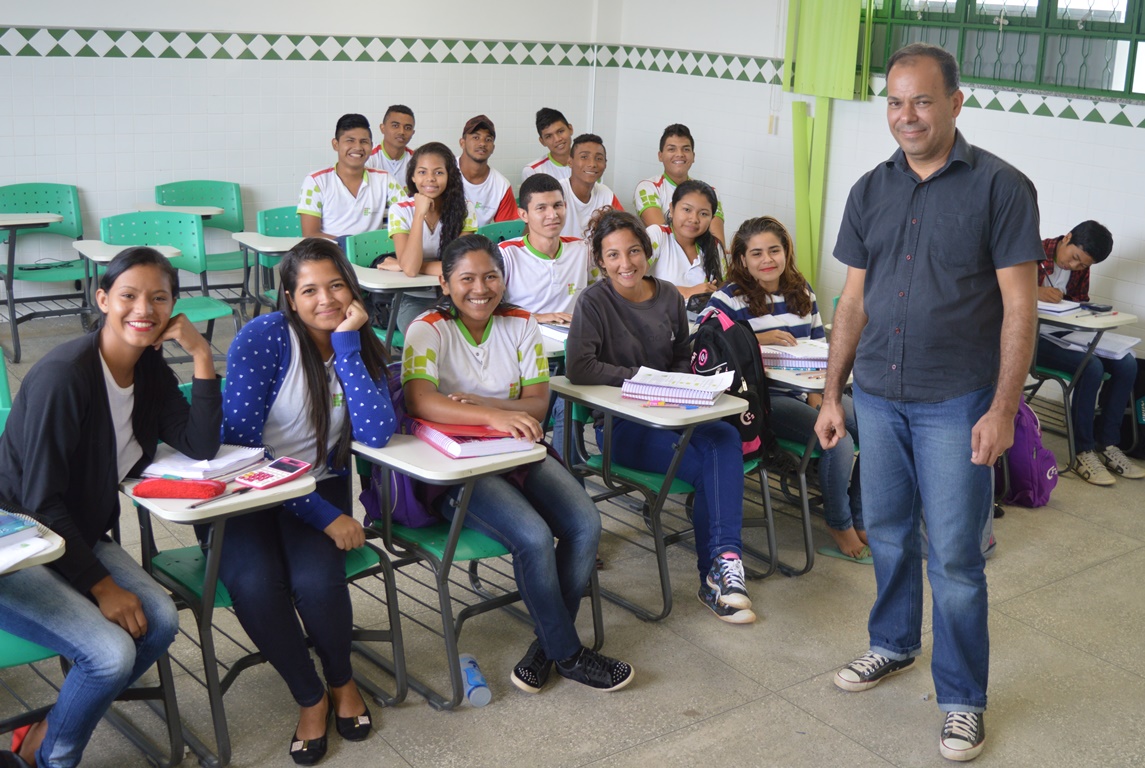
x=630, y=319
x=305, y=381
x=473, y=360
x=89, y=414
x=767, y=291
x=685, y=253
x=438, y=211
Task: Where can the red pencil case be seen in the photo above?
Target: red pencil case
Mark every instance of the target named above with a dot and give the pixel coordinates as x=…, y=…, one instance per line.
x=166, y=488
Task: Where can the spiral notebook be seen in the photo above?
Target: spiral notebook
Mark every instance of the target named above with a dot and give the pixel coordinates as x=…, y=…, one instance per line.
x=15, y=552
x=676, y=388
x=230, y=460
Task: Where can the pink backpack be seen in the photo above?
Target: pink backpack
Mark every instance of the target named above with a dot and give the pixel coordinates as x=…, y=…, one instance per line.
x=1033, y=467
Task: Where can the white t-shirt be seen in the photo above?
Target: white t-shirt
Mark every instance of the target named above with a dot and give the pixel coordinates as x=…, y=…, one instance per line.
x=325, y=196
x=287, y=430
x=546, y=165
x=669, y=262
x=539, y=284
x=657, y=193
x=1059, y=278
x=492, y=199
x=578, y=214
x=121, y=401
x=397, y=169
x=508, y=358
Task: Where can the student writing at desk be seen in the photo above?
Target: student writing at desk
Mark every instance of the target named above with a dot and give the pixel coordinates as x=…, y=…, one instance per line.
x=1065, y=275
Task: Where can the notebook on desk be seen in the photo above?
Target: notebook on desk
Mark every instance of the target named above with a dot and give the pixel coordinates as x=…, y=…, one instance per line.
x=230, y=460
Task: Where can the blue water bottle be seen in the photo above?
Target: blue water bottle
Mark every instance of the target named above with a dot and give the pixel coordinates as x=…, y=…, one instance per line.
x=476, y=689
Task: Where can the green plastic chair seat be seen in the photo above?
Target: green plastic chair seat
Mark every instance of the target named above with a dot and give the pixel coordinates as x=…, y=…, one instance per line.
x=186, y=566
x=652, y=480
x=268, y=261
x=1054, y=373
x=382, y=334
x=59, y=272
x=222, y=262
x=500, y=231
x=200, y=309
x=791, y=446
x=16, y=651
x=472, y=545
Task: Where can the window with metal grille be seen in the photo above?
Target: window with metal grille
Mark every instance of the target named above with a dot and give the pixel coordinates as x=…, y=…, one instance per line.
x=1082, y=47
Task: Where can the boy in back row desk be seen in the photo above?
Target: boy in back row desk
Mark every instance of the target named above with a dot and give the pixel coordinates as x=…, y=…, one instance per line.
x=583, y=191
x=555, y=134
x=348, y=198
x=653, y=196
x=393, y=153
x=485, y=187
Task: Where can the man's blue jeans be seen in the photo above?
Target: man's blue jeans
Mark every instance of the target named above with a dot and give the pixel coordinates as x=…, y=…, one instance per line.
x=37, y=604
x=916, y=456
x=1090, y=432
x=552, y=581
x=794, y=419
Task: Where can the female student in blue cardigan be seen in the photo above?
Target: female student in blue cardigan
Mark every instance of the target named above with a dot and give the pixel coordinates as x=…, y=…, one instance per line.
x=474, y=360
x=766, y=289
x=305, y=381
x=89, y=414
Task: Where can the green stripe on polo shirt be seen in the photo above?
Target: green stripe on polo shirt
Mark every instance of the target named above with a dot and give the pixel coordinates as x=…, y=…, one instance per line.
x=545, y=256
x=469, y=337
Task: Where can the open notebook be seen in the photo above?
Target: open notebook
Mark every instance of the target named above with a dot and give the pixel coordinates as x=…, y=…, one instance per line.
x=230, y=460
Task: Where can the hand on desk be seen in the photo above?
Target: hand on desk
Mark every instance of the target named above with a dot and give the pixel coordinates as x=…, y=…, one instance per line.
x=831, y=424
x=346, y=532
x=120, y=606
x=1050, y=294
x=776, y=337
x=390, y=264
x=516, y=423
x=562, y=318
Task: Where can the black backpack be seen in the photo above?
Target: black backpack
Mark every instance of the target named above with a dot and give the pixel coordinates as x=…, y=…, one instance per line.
x=722, y=344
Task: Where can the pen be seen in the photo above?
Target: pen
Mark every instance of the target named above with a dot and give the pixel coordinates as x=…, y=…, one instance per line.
x=235, y=492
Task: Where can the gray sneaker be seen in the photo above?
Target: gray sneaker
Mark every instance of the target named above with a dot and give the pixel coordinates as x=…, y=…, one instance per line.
x=963, y=736
x=1120, y=464
x=869, y=670
x=1090, y=469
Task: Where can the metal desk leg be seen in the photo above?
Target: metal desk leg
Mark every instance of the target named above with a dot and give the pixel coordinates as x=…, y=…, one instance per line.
x=11, y=297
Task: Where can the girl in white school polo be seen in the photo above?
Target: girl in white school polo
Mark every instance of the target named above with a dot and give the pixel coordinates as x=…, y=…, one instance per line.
x=473, y=360
x=686, y=253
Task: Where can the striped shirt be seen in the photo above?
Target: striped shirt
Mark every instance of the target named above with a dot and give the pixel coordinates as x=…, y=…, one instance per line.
x=800, y=326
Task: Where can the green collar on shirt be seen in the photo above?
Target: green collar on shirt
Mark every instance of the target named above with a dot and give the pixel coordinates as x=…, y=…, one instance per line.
x=469, y=337
x=540, y=255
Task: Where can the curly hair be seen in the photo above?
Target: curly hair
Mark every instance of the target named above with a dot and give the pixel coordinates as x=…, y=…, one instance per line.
x=608, y=220
x=452, y=199
x=706, y=244
x=792, y=283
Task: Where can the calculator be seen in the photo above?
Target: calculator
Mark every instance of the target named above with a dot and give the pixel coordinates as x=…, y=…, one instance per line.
x=277, y=472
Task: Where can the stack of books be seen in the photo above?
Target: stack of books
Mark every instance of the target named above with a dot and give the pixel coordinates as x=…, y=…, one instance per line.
x=676, y=388
x=230, y=461
x=1112, y=346
x=463, y=441
x=806, y=355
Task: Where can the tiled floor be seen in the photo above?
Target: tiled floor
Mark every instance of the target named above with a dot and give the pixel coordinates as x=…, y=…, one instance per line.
x=1067, y=685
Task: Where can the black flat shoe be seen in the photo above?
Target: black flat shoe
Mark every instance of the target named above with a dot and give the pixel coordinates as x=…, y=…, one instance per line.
x=354, y=728
x=310, y=751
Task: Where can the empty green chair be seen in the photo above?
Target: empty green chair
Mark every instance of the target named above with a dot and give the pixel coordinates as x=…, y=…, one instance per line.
x=363, y=250
x=274, y=222
x=221, y=194
x=62, y=199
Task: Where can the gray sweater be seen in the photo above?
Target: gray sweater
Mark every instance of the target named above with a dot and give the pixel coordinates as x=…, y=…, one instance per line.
x=611, y=337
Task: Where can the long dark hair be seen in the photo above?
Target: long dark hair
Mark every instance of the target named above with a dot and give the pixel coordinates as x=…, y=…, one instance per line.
x=139, y=256
x=453, y=208
x=706, y=244
x=313, y=366
x=792, y=283
x=608, y=220
x=453, y=253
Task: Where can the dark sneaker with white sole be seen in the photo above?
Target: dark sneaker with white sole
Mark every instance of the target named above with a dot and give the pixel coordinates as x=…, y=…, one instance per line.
x=963, y=736
x=596, y=670
x=532, y=671
x=869, y=670
x=726, y=577
x=710, y=597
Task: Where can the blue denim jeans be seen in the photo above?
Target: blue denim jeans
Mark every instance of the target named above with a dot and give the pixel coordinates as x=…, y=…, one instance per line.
x=916, y=456
x=37, y=604
x=712, y=464
x=793, y=419
x=279, y=570
x=551, y=580
x=1090, y=432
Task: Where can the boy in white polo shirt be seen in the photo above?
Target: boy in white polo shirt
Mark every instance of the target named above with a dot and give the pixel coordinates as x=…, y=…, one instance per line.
x=555, y=135
x=485, y=187
x=349, y=198
x=584, y=192
x=393, y=154
x=653, y=197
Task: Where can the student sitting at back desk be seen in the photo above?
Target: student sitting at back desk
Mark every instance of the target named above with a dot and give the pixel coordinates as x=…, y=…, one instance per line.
x=688, y=254
x=584, y=192
x=1065, y=274
x=393, y=154
x=653, y=196
x=485, y=186
x=555, y=134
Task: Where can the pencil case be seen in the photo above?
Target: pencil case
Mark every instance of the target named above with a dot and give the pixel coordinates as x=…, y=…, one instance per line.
x=166, y=488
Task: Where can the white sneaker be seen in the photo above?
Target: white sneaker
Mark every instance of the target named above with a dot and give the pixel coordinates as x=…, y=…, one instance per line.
x=1119, y=463
x=1091, y=470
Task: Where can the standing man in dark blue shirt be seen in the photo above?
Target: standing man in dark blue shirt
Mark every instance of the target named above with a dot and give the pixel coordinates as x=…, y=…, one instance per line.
x=937, y=319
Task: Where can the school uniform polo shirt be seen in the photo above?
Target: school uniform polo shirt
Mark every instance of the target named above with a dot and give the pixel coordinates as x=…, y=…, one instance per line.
x=342, y=213
x=505, y=360
x=492, y=199
x=401, y=223
x=546, y=165
x=930, y=250
x=539, y=284
x=669, y=262
x=657, y=193
x=397, y=169
x=578, y=214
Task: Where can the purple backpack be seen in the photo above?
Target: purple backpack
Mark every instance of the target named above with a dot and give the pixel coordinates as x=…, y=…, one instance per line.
x=1033, y=467
x=408, y=509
